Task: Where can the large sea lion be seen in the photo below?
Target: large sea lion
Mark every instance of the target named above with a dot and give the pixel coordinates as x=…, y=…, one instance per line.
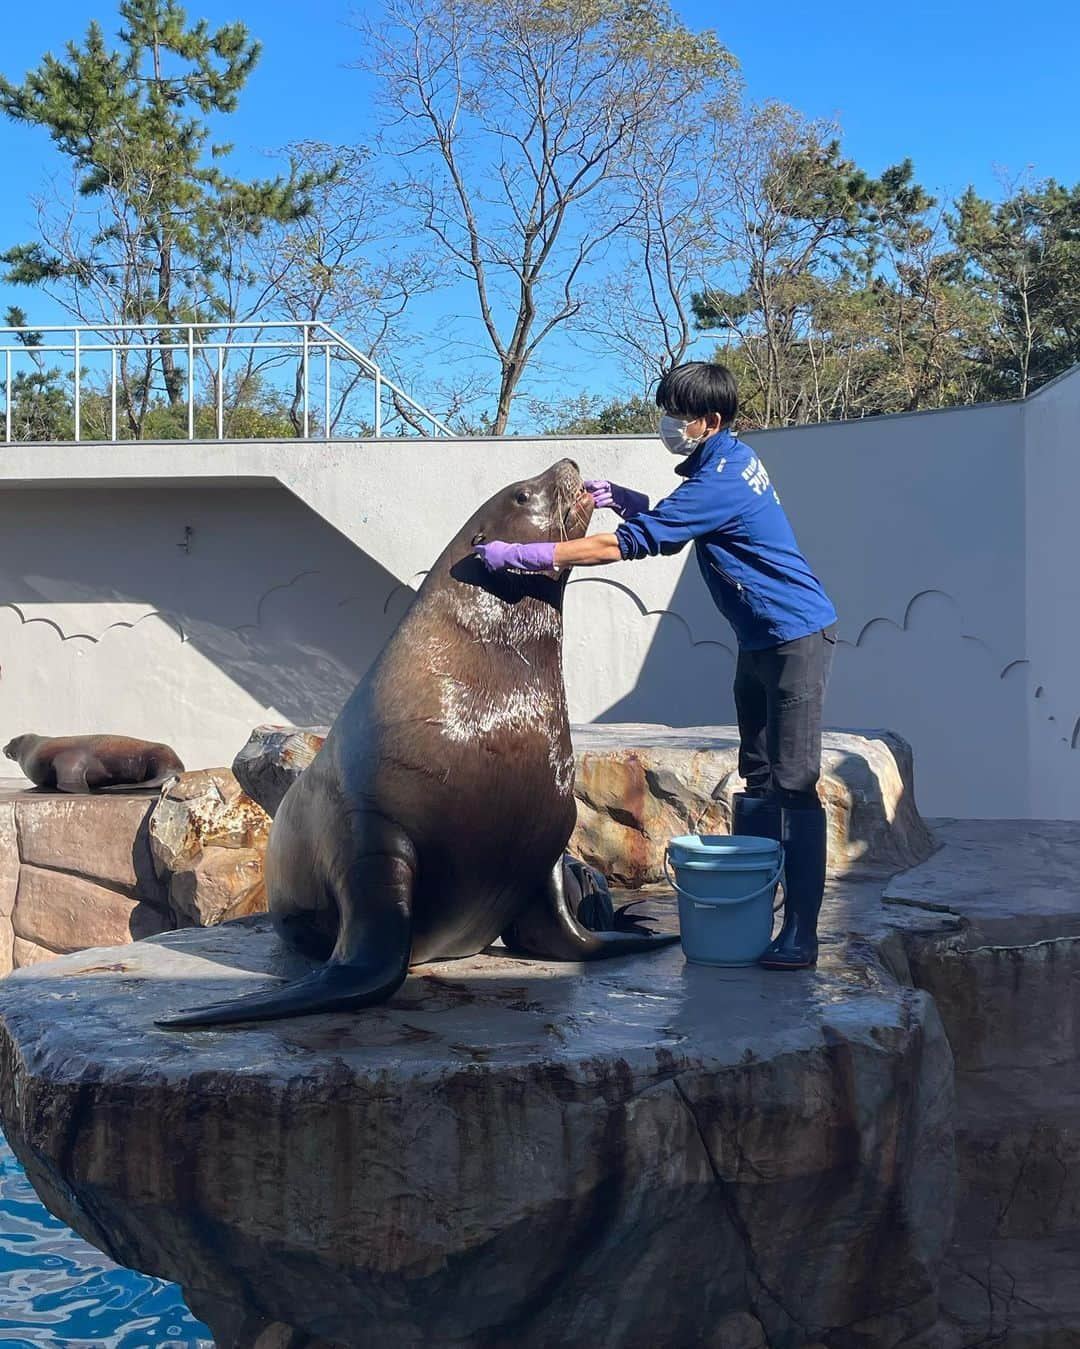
x=434, y=817
x=93, y=763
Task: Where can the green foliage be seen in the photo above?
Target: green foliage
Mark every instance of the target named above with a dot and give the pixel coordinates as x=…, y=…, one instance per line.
x=589, y=415
x=823, y=254
x=40, y=406
x=154, y=227
x=849, y=296
x=1022, y=259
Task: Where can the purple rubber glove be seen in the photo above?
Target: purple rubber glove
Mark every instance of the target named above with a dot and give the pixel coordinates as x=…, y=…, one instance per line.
x=623, y=501
x=497, y=556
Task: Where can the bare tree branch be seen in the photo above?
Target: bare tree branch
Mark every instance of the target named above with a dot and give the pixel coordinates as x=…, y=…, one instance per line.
x=518, y=119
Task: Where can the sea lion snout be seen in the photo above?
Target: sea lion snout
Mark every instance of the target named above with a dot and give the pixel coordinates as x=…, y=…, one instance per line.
x=572, y=505
x=567, y=477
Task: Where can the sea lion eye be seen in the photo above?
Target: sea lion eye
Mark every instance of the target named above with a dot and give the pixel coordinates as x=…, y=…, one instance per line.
x=522, y=498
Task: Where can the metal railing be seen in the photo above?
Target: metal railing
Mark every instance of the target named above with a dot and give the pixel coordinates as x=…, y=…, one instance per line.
x=198, y=381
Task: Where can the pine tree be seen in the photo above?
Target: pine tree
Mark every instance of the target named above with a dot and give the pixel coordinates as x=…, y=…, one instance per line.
x=1023, y=259
x=163, y=242
x=40, y=406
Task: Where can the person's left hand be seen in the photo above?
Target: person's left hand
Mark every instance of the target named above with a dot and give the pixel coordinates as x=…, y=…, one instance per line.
x=623, y=501
x=600, y=491
x=498, y=556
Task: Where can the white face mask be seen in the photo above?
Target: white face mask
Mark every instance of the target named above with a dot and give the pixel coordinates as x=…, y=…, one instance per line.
x=673, y=434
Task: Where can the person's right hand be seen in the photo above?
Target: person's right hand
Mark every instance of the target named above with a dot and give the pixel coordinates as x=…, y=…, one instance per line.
x=499, y=556
x=623, y=500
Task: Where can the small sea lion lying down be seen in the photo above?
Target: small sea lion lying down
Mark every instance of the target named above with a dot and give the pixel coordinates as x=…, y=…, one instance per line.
x=93, y=763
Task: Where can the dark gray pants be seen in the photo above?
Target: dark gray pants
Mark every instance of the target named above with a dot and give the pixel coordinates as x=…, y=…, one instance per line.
x=779, y=695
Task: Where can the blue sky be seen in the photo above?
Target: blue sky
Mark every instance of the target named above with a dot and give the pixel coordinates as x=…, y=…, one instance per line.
x=961, y=88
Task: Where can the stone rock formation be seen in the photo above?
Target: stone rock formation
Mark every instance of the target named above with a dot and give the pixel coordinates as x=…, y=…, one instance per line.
x=92, y=870
x=509, y=1152
x=638, y=786
x=1007, y=984
x=75, y=871
x=83, y=871
x=645, y=1153
x=9, y=881
x=207, y=838
x=272, y=760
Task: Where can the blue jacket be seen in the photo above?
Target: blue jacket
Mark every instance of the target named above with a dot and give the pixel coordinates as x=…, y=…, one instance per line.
x=746, y=549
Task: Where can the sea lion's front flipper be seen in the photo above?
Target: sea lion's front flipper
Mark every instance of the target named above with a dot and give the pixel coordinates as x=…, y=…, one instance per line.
x=369, y=961
x=70, y=769
x=548, y=929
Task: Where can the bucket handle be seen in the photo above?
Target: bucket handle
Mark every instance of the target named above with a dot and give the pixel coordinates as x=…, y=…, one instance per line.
x=699, y=903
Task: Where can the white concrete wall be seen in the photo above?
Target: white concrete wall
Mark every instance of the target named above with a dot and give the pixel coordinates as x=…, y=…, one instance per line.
x=916, y=526
x=1052, y=679
x=107, y=625
x=944, y=538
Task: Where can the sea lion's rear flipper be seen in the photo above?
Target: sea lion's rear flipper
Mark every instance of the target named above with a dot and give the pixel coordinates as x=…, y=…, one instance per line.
x=368, y=964
x=587, y=894
x=548, y=929
x=70, y=768
x=626, y=920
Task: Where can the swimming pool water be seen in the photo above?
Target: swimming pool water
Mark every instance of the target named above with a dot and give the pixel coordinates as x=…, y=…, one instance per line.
x=56, y=1290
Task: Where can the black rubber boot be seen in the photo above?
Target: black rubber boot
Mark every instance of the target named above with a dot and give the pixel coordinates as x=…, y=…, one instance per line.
x=756, y=816
x=804, y=837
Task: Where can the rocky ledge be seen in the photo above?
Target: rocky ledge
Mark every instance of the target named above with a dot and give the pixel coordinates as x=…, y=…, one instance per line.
x=637, y=786
x=82, y=871
x=509, y=1152
x=632, y=1154
x=1006, y=980
x=75, y=872
x=85, y=871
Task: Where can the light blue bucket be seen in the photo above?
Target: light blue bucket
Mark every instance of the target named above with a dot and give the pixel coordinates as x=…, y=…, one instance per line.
x=726, y=886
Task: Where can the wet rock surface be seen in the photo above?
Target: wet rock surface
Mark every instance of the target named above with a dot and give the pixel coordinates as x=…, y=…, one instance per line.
x=1007, y=983
x=509, y=1152
x=640, y=1153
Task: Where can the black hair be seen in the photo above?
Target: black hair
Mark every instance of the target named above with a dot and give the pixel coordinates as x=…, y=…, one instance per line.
x=697, y=389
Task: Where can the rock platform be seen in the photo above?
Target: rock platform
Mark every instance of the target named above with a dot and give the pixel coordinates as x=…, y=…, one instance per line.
x=97, y=870
x=637, y=786
x=82, y=871
x=509, y=1152
x=1006, y=981
x=75, y=872
x=878, y=1153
